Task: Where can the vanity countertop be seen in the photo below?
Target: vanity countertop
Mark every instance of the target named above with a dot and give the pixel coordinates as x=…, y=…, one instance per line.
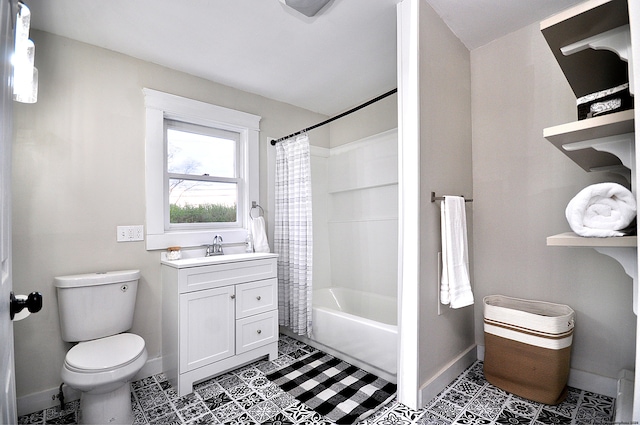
x=217, y=259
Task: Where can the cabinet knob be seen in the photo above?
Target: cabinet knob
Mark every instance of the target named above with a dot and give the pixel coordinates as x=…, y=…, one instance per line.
x=233, y=297
x=259, y=331
x=258, y=298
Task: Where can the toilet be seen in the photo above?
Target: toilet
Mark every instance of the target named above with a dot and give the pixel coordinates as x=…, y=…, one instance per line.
x=96, y=310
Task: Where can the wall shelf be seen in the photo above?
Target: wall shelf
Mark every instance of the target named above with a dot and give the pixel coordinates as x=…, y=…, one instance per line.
x=581, y=22
x=571, y=239
x=623, y=249
x=579, y=140
x=592, y=43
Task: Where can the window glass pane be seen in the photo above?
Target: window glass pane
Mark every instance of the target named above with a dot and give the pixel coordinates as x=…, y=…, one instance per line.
x=200, y=154
x=192, y=201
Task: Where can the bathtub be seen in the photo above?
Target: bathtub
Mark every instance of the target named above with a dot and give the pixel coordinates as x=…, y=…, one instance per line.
x=358, y=327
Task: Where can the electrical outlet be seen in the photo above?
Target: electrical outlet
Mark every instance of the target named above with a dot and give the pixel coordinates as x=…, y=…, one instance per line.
x=129, y=233
x=138, y=233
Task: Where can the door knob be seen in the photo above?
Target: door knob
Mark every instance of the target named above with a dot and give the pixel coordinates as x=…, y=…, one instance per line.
x=33, y=303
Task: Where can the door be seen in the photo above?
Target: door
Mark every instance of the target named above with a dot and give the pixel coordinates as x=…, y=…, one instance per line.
x=7, y=379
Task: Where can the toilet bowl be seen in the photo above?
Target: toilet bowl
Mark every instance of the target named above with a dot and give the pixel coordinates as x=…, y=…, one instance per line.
x=96, y=310
x=102, y=370
x=100, y=365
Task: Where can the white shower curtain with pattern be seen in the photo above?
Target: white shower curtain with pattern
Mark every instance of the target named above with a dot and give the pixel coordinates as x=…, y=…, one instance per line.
x=293, y=238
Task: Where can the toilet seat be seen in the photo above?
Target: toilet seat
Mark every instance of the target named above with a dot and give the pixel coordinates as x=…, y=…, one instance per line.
x=105, y=354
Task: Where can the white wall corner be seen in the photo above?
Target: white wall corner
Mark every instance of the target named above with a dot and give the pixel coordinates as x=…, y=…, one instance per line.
x=446, y=375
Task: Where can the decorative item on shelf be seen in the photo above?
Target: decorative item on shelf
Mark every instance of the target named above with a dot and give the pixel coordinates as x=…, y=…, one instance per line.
x=174, y=253
x=605, y=102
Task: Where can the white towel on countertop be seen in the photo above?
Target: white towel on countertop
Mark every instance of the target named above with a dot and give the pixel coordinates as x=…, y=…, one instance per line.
x=455, y=284
x=260, y=242
x=601, y=210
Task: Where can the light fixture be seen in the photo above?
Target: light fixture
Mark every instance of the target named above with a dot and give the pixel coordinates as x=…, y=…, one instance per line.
x=306, y=7
x=25, y=75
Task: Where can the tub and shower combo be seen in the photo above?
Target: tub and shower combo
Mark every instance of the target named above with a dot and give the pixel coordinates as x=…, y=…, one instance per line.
x=355, y=281
x=358, y=326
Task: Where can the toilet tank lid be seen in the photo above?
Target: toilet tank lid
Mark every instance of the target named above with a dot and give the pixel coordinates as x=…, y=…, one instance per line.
x=98, y=278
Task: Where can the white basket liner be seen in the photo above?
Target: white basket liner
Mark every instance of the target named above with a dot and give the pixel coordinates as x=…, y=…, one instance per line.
x=538, y=323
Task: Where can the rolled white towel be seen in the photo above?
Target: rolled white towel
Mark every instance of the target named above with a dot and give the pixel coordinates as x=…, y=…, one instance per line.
x=601, y=210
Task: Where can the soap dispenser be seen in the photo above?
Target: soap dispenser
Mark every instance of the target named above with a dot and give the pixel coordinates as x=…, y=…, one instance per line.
x=248, y=242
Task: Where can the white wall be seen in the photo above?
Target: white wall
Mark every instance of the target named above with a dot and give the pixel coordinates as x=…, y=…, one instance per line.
x=435, y=155
x=78, y=172
x=445, y=159
x=522, y=185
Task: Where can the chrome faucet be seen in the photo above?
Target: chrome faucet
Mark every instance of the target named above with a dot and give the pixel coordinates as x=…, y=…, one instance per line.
x=215, y=248
x=217, y=245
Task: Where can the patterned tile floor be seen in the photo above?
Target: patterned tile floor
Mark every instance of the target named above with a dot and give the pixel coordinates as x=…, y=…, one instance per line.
x=245, y=396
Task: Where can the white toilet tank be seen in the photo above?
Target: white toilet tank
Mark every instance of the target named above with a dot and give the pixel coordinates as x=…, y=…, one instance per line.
x=96, y=305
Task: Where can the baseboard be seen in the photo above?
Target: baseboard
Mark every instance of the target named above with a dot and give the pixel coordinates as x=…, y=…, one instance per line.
x=45, y=399
x=150, y=368
x=582, y=380
x=42, y=400
x=446, y=375
x=624, y=401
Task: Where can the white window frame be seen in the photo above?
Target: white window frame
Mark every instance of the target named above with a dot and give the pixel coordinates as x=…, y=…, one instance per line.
x=161, y=106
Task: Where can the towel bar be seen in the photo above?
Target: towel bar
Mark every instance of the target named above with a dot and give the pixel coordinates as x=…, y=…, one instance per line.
x=255, y=205
x=435, y=198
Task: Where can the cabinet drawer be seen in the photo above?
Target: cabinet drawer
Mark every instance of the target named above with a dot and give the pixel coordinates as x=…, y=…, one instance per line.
x=256, y=331
x=205, y=277
x=256, y=297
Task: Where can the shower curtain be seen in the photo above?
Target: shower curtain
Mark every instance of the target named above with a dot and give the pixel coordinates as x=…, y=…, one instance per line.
x=293, y=233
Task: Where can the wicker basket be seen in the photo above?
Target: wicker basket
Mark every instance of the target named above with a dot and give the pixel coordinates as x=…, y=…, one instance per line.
x=528, y=347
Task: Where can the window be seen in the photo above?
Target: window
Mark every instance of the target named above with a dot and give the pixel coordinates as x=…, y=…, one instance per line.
x=201, y=171
x=202, y=175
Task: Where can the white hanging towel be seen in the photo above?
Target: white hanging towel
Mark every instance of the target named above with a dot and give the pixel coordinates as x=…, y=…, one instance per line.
x=455, y=285
x=260, y=242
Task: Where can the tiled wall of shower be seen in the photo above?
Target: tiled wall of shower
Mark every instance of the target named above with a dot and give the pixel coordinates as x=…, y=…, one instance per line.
x=355, y=198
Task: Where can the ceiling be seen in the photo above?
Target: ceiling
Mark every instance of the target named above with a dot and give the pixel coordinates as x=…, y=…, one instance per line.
x=343, y=56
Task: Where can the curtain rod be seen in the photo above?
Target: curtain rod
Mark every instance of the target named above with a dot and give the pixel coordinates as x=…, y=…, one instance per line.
x=350, y=111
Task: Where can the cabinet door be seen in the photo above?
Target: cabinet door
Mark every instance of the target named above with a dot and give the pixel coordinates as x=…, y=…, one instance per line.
x=206, y=327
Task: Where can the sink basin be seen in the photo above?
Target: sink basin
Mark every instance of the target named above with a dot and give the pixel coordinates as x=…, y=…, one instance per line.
x=217, y=259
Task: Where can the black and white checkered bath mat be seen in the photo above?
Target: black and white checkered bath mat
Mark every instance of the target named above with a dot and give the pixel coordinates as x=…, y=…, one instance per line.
x=335, y=389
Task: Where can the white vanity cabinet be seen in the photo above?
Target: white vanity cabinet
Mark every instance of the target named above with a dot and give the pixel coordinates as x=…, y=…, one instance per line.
x=218, y=313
